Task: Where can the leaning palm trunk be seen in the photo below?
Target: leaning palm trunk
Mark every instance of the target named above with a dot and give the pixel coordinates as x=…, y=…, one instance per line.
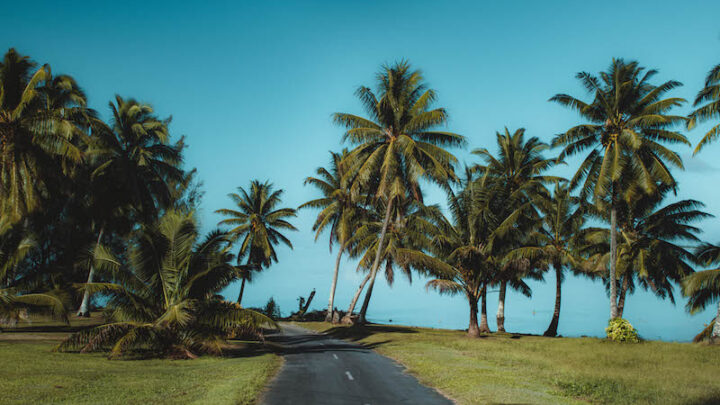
x=376, y=263
x=553, y=327
x=613, y=262
x=501, y=307
x=484, y=328
x=347, y=318
x=331, y=303
x=242, y=290
x=85, y=304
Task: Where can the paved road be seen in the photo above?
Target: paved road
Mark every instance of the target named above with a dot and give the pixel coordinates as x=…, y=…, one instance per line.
x=321, y=370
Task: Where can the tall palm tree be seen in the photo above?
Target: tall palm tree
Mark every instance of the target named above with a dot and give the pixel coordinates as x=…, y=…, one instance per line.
x=518, y=172
x=339, y=214
x=710, y=97
x=397, y=145
x=557, y=238
x=258, y=222
x=628, y=123
x=166, y=299
x=41, y=120
x=134, y=165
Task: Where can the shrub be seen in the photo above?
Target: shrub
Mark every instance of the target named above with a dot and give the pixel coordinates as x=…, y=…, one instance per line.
x=620, y=330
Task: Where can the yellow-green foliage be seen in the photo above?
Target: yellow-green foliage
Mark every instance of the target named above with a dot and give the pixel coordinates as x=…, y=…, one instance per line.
x=620, y=330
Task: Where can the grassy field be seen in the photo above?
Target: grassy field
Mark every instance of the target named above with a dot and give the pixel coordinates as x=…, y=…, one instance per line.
x=533, y=369
x=31, y=373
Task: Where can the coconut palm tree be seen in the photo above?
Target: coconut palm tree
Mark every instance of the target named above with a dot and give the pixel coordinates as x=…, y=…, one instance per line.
x=339, y=214
x=556, y=241
x=651, y=251
x=458, y=257
x=40, y=125
x=398, y=144
x=134, y=165
x=407, y=231
x=626, y=129
x=709, y=97
x=166, y=299
x=518, y=171
x=258, y=222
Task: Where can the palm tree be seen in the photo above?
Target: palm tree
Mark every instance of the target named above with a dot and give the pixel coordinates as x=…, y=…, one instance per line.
x=134, y=165
x=518, y=171
x=710, y=96
x=459, y=258
x=562, y=218
x=339, y=212
x=40, y=124
x=628, y=122
x=258, y=222
x=407, y=232
x=166, y=299
x=651, y=247
x=397, y=145
x=703, y=287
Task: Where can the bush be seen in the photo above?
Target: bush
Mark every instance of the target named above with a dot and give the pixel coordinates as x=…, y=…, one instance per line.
x=620, y=330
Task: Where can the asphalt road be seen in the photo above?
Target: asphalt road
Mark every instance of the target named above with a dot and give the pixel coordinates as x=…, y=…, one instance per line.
x=321, y=370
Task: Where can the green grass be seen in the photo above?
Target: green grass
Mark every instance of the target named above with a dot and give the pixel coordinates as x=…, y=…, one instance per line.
x=32, y=373
x=533, y=369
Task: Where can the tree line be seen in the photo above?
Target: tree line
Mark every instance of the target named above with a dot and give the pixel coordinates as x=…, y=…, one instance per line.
x=101, y=213
x=507, y=219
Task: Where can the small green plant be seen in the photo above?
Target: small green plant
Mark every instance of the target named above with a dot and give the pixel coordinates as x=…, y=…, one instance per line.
x=620, y=330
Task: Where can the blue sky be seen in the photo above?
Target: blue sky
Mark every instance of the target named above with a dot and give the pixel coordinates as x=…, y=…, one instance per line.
x=252, y=86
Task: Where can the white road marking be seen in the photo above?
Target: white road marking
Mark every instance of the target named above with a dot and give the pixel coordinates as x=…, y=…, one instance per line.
x=349, y=376
x=335, y=356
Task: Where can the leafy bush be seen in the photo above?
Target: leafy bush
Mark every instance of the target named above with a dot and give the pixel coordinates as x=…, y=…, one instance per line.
x=620, y=330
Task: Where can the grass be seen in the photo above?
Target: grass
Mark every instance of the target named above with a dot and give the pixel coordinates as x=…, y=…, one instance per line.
x=506, y=368
x=31, y=373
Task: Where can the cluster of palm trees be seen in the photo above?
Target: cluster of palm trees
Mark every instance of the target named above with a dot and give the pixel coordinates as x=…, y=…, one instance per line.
x=104, y=211
x=508, y=219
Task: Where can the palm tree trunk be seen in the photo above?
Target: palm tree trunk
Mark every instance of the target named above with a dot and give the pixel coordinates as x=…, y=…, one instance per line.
x=613, y=261
x=473, y=329
x=346, y=318
x=242, y=290
x=376, y=263
x=84, y=305
x=623, y=293
x=331, y=303
x=501, y=307
x=716, y=326
x=484, y=328
x=552, y=328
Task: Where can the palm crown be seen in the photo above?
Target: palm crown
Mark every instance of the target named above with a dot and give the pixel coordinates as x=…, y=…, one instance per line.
x=628, y=123
x=708, y=100
x=41, y=121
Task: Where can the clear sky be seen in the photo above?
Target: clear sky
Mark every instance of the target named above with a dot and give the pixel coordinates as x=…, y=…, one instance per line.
x=252, y=85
